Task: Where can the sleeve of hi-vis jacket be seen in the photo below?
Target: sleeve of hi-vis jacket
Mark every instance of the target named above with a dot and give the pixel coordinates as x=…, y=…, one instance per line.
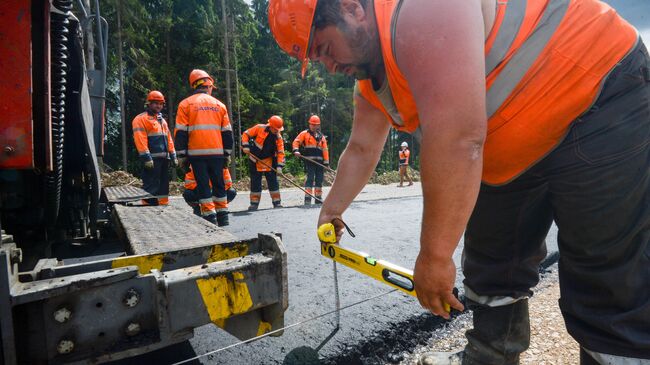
x=181, y=131
x=298, y=141
x=326, y=152
x=140, y=139
x=226, y=133
x=279, y=145
x=246, y=137
x=170, y=141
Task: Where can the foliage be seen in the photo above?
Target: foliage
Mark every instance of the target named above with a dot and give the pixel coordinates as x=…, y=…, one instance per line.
x=163, y=40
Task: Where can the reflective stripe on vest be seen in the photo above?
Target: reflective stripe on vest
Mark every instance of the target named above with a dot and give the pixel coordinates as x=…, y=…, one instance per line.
x=527, y=54
x=546, y=62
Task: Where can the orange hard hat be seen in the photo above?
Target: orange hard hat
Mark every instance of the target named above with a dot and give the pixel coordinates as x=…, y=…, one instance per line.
x=200, y=78
x=291, y=23
x=314, y=119
x=276, y=122
x=155, y=95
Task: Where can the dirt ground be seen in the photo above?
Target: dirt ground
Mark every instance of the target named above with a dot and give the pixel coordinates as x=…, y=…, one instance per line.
x=550, y=343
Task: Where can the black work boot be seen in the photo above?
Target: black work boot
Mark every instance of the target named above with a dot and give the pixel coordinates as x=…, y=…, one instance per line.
x=499, y=336
x=277, y=204
x=222, y=219
x=212, y=218
x=253, y=207
x=318, y=200
x=307, y=200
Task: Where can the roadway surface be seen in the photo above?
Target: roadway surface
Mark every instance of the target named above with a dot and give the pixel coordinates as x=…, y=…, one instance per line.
x=374, y=332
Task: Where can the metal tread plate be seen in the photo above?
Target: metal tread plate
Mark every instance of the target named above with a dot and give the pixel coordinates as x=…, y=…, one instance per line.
x=125, y=194
x=158, y=229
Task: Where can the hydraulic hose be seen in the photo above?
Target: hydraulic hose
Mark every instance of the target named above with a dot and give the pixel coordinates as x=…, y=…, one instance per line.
x=59, y=29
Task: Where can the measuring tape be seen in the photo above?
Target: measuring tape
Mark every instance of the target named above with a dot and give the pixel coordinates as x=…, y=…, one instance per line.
x=389, y=274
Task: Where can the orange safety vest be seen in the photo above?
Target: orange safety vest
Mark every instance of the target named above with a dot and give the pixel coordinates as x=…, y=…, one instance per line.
x=315, y=146
x=203, y=127
x=546, y=62
x=190, y=180
x=404, y=157
x=258, y=135
x=151, y=136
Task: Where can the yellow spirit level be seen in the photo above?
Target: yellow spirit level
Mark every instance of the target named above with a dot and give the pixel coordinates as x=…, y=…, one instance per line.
x=390, y=274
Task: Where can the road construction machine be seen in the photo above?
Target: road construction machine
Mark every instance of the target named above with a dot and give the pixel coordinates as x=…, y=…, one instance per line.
x=84, y=275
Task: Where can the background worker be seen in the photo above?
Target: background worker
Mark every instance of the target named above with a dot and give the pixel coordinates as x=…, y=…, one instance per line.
x=204, y=136
x=314, y=146
x=404, y=155
x=191, y=196
x=528, y=112
x=265, y=147
x=155, y=146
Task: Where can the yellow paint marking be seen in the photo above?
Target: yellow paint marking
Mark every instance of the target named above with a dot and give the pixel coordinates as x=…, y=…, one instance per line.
x=144, y=263
x=220, y=253
x=224, y=297
x=263, y=328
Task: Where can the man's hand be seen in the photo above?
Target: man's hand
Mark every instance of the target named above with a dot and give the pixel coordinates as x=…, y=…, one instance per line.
x=279, y=170
x=336, y=220
x=182, y=162
x=148, y=164
x=246, y=150
x=174, y=162
x=296, y=153
x=434, y=282
x=228, y=161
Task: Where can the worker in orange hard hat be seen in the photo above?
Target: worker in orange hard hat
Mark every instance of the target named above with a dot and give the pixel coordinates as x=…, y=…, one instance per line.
x=265, y=147
x=314, y=147
x=404, y=155
x=204, y=139
x=155, y=147
x=528, y=112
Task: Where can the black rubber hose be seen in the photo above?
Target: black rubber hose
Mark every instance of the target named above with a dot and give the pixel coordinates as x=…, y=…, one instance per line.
x=59, y=29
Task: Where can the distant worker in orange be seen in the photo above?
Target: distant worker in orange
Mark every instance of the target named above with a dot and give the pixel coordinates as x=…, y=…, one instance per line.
x=404, y=155
x=265, y=147
x=191, y=196
x=155, y=148
x=204, y=139
x=314, y=147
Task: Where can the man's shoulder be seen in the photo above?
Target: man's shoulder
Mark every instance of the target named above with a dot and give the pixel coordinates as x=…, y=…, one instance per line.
x=140, y=116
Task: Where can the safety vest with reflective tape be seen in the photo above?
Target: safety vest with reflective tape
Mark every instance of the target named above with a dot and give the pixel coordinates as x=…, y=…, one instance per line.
x=152, y=137
x=203, y=127
x=314, y=145
x=546, y=62
x=264, y=145
x=404, y=157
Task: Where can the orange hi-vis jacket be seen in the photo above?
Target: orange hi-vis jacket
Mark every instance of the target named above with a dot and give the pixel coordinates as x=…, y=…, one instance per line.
x=546, y=62
x=264, y=145
x=203, y=128
x=152, y=137
x=314, y=145
x=190, y=180
x=404, y=157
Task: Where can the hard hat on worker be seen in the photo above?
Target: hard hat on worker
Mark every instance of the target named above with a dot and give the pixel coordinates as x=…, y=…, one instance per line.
x=314, y=120
x=200, y=78
x=291, y=23
x=276, y=122
x=404, y=144
x=155, y=95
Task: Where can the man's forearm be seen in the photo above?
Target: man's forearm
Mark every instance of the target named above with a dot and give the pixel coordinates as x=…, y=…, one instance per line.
x=451, y=176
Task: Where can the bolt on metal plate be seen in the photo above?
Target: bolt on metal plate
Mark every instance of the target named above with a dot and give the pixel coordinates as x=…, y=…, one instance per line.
x=132, y=298
x=65, y=346
x=62, y=315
